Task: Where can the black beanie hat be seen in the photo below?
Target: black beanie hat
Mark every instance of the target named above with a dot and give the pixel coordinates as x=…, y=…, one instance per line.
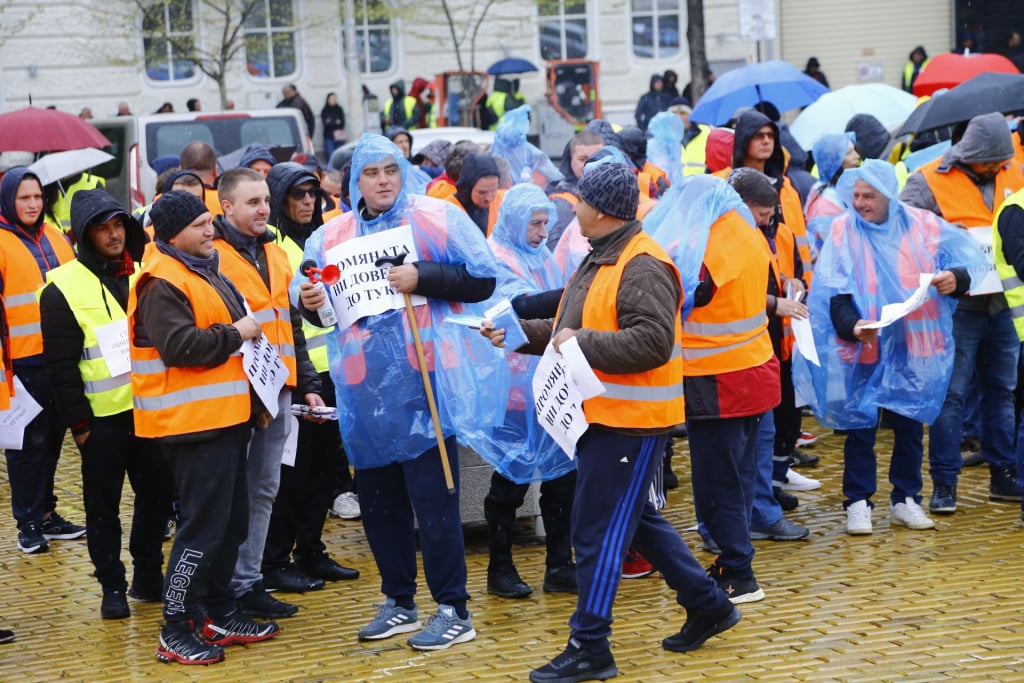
x=174, y=212
x=610, y=188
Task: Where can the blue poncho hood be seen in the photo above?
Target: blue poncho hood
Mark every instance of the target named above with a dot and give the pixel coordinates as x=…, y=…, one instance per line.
x=829, y=152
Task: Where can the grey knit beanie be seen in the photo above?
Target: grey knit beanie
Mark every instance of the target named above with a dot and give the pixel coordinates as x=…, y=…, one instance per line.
x=611, y=188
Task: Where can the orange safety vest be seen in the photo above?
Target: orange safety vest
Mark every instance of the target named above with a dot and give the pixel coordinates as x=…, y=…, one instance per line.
x=567, y=197
x=271, y=308
x=731, y=332
x=21, y=279
x=649, y=399
x=351, y=338
x=441, y=189
x=959, y=198
x=784, y=263
x=171, y=401
x=654, y=174
x=6, y=382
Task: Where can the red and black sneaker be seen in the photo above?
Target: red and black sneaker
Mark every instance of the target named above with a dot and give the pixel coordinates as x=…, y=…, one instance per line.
x=181, y=643
x=635, y=566
x=238, y=629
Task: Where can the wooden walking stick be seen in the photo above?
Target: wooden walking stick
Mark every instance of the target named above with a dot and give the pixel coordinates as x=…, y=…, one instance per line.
x=397, y=261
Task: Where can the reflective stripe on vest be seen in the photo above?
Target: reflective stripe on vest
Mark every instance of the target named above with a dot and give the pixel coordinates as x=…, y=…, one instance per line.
x=316, y=337
x=172, y=401
x=737, y=259
x=1013, y=288
x=94, y=308
x=270, y=307
x=649, y=399
x=21, y=279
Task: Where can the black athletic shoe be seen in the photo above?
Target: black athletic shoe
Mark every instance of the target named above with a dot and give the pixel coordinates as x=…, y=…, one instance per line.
x=785, y=499
x=701, y=625
x=561, y=579
x=800, y=458
x=146, y=590
x=576, y=664
x=943, y=500
x=1003, y=485
x=6, y=635
x=323, y=567
x=261, y=604
x=31, y=539
x=505, y=582
x=739, y=590
x=56, y=528
x=290, y=579
x=183, y=645
x=114, y=606
x=238, y=629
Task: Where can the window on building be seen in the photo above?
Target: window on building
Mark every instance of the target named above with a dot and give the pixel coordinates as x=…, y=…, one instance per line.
x=373, y=36
x=655, y=28
x=270, y=42
x=168, y=38
x=563, y=29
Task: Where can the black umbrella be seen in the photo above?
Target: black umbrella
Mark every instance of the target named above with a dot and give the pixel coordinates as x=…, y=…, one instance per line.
x=982, y=94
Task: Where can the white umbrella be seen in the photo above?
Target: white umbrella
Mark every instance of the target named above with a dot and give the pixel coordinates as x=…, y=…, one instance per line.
x=831, y=111
x=57, y=165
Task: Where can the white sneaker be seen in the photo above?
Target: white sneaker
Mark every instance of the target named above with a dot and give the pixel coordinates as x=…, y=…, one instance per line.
x=910, y=515
x=346, y=506
x=858, y=518
x=798, y=482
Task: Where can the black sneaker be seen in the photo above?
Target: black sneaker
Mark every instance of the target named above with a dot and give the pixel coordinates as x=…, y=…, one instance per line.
x=261, y=604
x=56, y=528
x=505, y=582
x=6, y=635
x=787, y=501
x=701, y=625
x=31, y=539
x=183, y=645
x=238, y=629
x=576, y=664
x=289, y=579
x=943, y=500
x=147, y=589
x=321, y=566
x=561, y=579
x=739, y=590
x=799, y=458
x=1003, y=485
x=114, y=606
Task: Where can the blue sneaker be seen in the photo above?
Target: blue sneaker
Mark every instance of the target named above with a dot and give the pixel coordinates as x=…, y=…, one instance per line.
x=390, y=621
x=443, y=630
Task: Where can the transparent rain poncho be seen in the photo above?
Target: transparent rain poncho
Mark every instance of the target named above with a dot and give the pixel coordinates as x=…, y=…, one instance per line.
x=824, y=202
x=908, y=369
x=520, y=449
x=684, y=217
x=523, y=158
x=382, y=407
x=665, y=148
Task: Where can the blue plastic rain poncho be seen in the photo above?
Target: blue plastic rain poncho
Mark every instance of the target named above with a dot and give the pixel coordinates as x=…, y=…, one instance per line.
x=382, y=408
x=908, y=369
x=520, y=449
x=823, y=202
x=523, y=158
x=684, y=217
x=665, y=149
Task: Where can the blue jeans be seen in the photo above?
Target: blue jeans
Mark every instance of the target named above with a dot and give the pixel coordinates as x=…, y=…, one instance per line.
x=766, y=510
x=860, y=477
x=988, y=345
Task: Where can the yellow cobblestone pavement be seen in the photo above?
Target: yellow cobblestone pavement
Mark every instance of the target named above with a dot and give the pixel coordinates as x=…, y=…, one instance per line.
x=899, y=605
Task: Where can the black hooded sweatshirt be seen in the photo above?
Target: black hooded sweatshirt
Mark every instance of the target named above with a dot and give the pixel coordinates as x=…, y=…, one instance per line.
x=283, y=177
x=62, y=337
x=475, y=167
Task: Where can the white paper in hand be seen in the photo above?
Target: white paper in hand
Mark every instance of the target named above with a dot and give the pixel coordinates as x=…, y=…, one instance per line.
x=112, y=339
x=266, y=371
x=14, y=420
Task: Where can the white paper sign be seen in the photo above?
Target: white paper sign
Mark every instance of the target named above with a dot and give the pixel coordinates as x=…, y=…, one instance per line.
x=893, y=312
x=558, y=399
x=363, y=288
x=990, y=283
x=14, y=420
x=266, y=372
x=805, y=340
x=291, y=444
x=112, y=339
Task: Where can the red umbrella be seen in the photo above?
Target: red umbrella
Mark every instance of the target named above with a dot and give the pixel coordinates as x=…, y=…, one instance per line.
x=47, y=130
x=950, y=69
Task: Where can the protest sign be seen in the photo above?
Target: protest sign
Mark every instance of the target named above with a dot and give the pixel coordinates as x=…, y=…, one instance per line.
x=363, y=289
x=990, y=282
x=112, y=339
x=558, y=399
x=266, y=372
x=14, y=420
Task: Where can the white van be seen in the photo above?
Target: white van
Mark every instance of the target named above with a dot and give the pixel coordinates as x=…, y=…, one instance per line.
x=138, y=140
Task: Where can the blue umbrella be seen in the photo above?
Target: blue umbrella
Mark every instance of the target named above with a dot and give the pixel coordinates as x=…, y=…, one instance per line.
x=777, y=81
x=510, y=65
